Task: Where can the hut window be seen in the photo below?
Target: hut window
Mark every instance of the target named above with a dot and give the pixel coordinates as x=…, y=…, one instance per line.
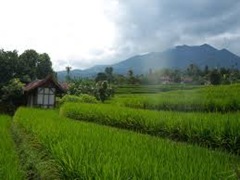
x=46, y=97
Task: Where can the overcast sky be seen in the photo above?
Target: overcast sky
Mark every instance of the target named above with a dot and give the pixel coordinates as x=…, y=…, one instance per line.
x=84, y=33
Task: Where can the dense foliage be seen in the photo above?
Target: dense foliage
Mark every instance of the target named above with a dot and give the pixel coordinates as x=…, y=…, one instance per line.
x=17, y=70
x=83, y=98
x=27, y=66
x=101, y=90
x=12, y=96
x=191, y=75
x=89, y=151
x=211, y=130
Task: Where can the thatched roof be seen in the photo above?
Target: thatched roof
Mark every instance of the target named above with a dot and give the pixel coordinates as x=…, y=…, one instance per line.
x=41, y=82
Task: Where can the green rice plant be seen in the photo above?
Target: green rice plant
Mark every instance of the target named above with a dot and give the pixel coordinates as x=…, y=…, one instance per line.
x=146, y=89
x=90, y=151
x=213, y=130
x=224, y=98
x=34, y=159
x=9, y=163
x=84, y=98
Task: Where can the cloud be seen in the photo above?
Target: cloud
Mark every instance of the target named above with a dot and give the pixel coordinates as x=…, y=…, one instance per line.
x=155, y=25
x=66, y=30
x=86, y=33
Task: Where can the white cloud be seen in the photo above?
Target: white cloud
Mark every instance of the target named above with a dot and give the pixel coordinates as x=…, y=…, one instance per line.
x=85, y=33
x=63, y=29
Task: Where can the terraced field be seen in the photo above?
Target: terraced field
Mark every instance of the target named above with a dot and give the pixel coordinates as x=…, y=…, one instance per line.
x=89, y=151
x=224, y=98
x=214, y=130
x=9, y=162
x=190, y=133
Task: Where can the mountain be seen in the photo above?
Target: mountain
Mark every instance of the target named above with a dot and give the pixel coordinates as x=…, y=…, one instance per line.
x=91, y=72
x=179, y=57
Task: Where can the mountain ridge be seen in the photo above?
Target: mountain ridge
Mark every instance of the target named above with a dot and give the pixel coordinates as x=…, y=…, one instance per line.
x=179, y=57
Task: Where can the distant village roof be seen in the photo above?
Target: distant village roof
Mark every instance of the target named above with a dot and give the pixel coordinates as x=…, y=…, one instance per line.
x=41, y=82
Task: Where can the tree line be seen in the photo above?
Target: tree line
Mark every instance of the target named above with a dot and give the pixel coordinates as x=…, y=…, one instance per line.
x=102, y=86
x=191, y=75
x=16, y=70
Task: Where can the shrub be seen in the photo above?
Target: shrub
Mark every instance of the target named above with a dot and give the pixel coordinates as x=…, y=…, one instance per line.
x=78, y=99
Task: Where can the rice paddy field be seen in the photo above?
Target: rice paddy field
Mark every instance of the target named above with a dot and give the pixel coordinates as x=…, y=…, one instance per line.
x=223, y=98
x=9, y=162
x=214, y=130
x=146, y=89
x=177, y=133
x=90, y=151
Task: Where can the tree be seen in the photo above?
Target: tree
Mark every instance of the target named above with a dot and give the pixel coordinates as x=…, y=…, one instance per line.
x=206, y=70
x=109, y=73
x=27, y=65
x=8, y=66
x=81, y=86
x=131, y=78
x=100, y=90
x=32, y=65
x=68, y=69
x=101, y=76
x=103, y=92
x=15, y=71
x=177, y=76
x=44, y=66
x=193, y=70
x=12, y=95
x=130, y=73
x=215, y=77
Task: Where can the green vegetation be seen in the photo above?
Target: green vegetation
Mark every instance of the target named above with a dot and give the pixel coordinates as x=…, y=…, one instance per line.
x=17, y=70
x=35, y=160
x=100, y=90
x=89, y=151
x=192, y=74
x=211, y=130
x=84, y=98
x=50, y=146
x=27, y=66
x=222, y=98
x=147, y=89
x=9, y=163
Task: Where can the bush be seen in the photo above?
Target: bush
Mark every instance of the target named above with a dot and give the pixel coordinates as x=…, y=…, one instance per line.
x=88, y=99
x=84, y=98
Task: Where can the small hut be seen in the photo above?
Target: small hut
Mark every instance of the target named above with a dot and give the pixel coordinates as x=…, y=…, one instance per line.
x=42, y=92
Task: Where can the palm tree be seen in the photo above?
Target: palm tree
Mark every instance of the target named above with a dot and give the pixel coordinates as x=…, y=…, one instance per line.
x=68, y=68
